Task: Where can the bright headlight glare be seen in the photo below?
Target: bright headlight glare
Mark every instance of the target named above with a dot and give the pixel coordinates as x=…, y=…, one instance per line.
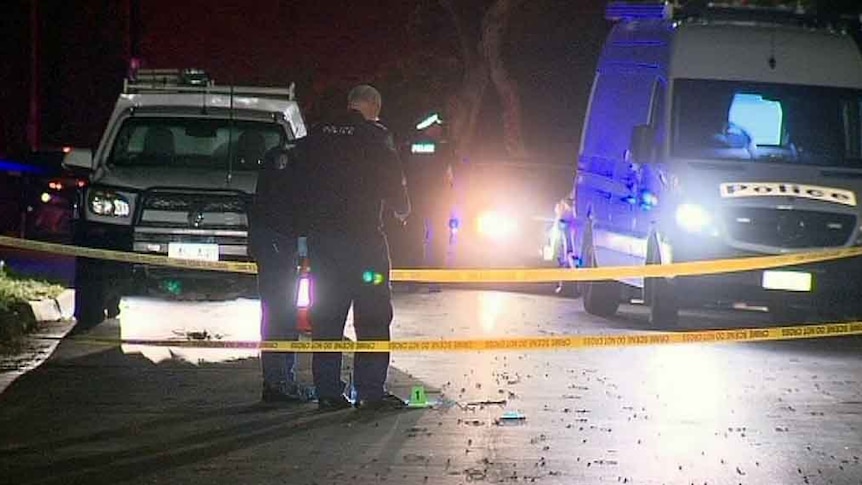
x=109, y=204
x=303, y=294
x=495, y=225
x=692, y=217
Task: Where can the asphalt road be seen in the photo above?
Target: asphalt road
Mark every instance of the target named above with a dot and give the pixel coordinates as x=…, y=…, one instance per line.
x=768, y=413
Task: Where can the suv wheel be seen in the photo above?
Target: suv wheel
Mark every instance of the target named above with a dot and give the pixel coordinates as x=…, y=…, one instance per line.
x=98, y=287
x=112, y=306
x=89, y=297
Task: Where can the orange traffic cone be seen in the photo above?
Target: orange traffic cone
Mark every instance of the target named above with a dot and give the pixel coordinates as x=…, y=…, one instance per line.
x=303, y=288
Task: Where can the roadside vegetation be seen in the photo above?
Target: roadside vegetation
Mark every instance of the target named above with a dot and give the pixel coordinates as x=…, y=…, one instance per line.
x=16, y=316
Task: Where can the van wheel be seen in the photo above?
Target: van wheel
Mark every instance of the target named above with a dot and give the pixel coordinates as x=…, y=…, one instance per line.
x=660, y=294
x=569, y=289
x=601, y=298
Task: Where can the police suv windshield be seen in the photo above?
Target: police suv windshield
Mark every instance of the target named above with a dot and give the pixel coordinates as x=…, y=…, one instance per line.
x=804, y=125
x=194, y=143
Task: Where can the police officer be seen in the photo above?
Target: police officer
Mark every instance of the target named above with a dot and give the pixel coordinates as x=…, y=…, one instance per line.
x=350, y=176
x=431, y=195
x=272, y=242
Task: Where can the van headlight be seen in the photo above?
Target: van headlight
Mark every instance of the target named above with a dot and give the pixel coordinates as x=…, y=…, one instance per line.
x=109, y=204
x=693, y=218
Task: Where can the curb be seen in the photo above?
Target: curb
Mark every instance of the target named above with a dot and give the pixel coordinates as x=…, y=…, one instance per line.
x=54, y=309
x=23, y=318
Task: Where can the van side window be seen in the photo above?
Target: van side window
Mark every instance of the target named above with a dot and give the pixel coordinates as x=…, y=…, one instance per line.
x=621, y=100
x=657, y=113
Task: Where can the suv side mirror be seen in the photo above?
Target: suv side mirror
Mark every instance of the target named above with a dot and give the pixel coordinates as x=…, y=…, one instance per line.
x=79, y=158
x=642, y=144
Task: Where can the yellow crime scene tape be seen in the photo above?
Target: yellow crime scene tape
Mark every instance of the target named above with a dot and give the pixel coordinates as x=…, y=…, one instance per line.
x=550, y=275
x=522, y=344
x=126, y=257
x=493, y=276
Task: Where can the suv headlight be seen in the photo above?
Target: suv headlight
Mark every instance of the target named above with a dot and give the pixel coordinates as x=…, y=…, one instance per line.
x=110, y=204
x=693, y=218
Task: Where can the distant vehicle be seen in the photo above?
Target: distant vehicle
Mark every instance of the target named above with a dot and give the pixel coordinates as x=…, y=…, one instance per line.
x=37, y=196
x=500, y=218
x=49, y=199
x=488, y=213
x=174, y=174
x=719, y=133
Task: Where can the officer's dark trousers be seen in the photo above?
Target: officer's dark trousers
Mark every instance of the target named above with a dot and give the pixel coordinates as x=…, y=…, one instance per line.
x=276, y=280
x=431, y=226
x=338, y=265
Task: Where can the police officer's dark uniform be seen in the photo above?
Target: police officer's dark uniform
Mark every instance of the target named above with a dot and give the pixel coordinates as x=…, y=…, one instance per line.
x=272, y=243
x=350, y=176
x=432, y=204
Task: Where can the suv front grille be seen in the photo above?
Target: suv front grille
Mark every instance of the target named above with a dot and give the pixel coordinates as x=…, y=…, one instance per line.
x=196, y=201
x=198, y=210
x=790, y=229
x=203, y=217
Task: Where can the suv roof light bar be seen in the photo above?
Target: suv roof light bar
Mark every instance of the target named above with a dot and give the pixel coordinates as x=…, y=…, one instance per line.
x=171, y=77
x=286, y=93
x=195, y=81
x=638, y=10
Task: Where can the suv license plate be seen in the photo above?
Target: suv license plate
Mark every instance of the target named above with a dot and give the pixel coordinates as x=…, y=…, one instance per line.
x=787, y=280
x=197, y=252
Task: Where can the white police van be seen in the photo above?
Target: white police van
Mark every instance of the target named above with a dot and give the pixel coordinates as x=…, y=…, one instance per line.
x=174, y=175
x=719, y=133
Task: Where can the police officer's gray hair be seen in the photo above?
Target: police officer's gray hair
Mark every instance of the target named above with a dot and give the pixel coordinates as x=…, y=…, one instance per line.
x=364, y=93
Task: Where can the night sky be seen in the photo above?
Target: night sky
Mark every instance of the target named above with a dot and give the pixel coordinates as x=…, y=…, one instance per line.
x=325, y=46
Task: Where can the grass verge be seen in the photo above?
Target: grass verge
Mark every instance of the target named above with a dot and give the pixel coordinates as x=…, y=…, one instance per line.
x=16, y=316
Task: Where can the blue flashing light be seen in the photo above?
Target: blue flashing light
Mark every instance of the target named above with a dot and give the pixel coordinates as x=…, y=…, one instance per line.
x=648, y=200
x=15, y=166
x=454, y=224
x=633, y=10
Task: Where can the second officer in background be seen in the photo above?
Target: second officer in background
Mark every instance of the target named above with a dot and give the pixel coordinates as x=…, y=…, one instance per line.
x=272, y=243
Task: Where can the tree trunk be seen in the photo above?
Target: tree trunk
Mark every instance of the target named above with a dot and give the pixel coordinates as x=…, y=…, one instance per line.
x=494, y=27
x=464, y=107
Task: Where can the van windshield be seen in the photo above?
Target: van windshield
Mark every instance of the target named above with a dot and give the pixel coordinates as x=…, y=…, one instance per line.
x=806, y=125
x=194, y=143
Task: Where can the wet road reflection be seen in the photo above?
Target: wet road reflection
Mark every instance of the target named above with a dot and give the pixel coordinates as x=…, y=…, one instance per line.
x=773, y=412
x=491, y=305
x=150, y=318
